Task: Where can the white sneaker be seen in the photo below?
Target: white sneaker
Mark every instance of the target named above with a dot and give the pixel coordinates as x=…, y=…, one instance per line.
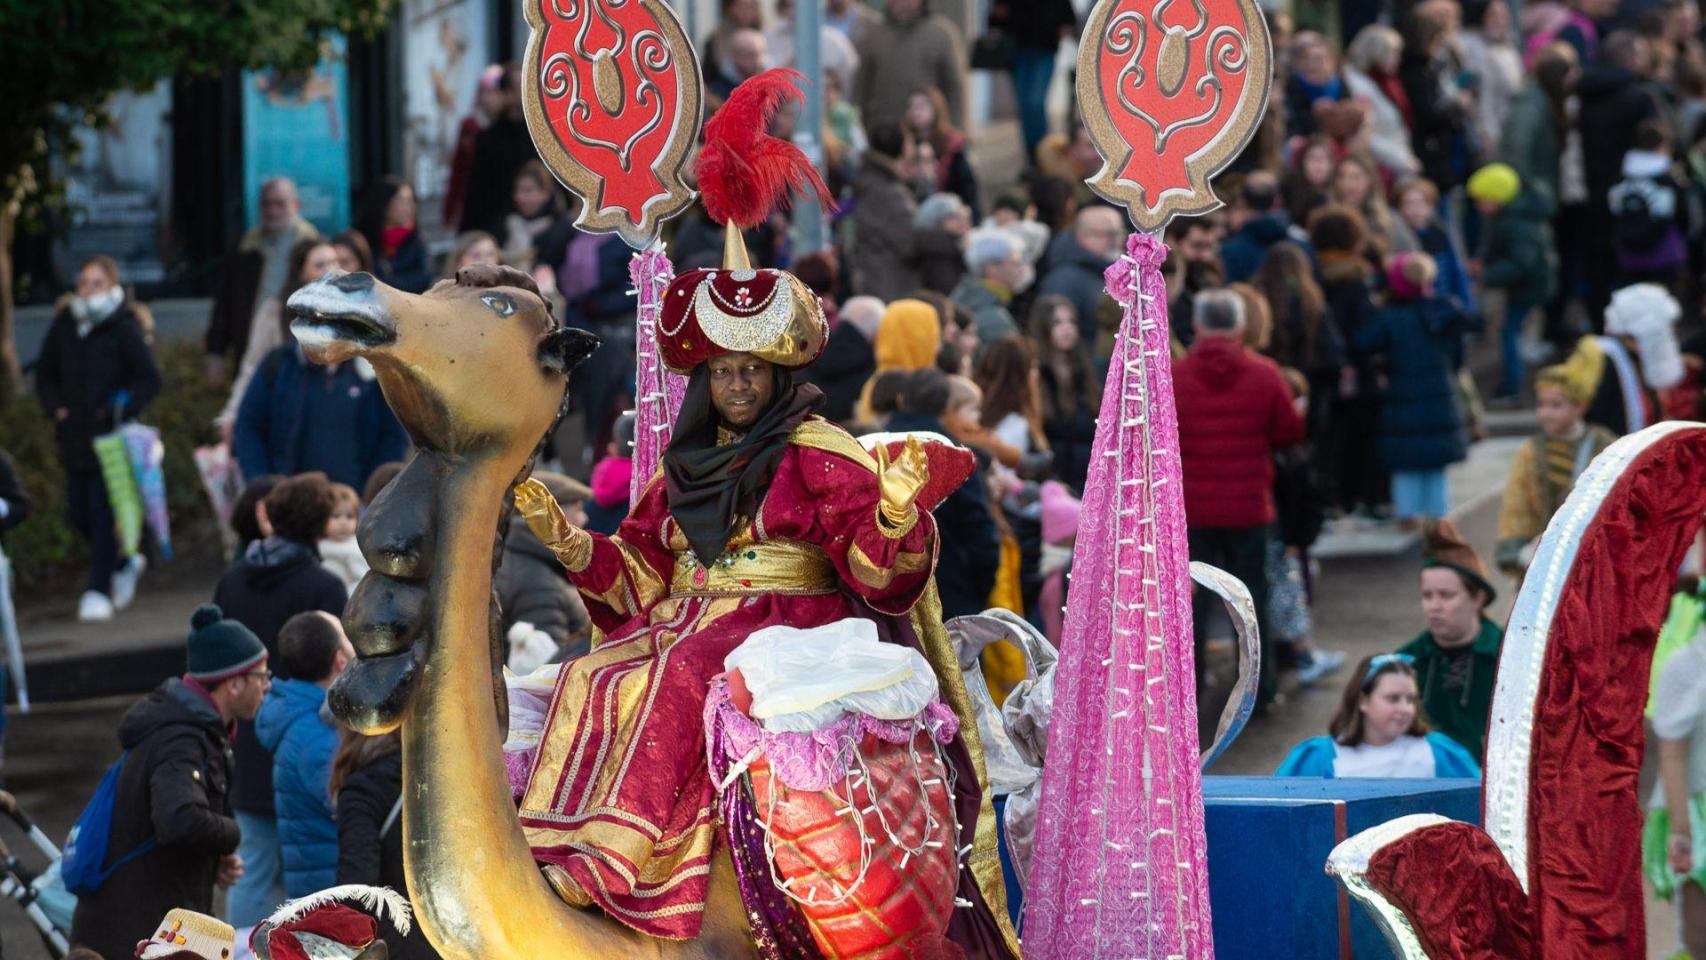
x=94, y=607
x=124, y=581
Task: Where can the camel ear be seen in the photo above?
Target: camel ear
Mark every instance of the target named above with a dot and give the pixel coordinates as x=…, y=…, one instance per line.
x=564, y=348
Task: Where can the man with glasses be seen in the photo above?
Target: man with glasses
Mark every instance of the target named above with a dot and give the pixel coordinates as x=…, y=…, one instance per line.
x=172, y=835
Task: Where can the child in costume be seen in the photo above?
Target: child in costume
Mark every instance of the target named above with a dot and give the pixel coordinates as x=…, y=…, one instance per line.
x=1379, y=731
x=1545, y=469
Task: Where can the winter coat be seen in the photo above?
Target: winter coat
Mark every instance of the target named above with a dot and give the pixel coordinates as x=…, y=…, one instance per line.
x=174, y=787
x=407, y=268
x=1532, y=144
x=1035, y=24
x=239, y=291
x=1388, y=138
x=969, y=543
x=1300, y=98
x=302, y=743
x=1453, y=282
x=1070, y=431
x=1614, y=103
x=989, y=312
x=370, y=843
x=1243, y=252
x=1518, y=255
x=1350, y=305
x=897, y=57
x=274, y=581
x=1234, y=411
x=589, y=302
x=940, y=261
x=883, y=240
x=345, y=560
x=1076, y=274
x=500, y=150
x=298, y=417
x=1421, y=420
x=532, y=588
x=83, y=375
x=14, y=499
x=1438, y=122
x=848, y=360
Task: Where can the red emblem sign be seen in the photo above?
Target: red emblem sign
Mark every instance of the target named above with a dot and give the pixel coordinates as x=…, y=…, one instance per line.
x=612, y=93
x=1171, y=91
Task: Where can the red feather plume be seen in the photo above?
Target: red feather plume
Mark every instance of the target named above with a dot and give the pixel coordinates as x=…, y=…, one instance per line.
x=744, y=173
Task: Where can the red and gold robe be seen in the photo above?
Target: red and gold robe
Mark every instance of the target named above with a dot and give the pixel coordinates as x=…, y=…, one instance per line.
x=619, y=805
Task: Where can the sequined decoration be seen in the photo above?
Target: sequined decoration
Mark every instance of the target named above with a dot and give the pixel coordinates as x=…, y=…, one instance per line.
x=779, y=931
x=740, y=326
x=659, y=390
x=1120, y=867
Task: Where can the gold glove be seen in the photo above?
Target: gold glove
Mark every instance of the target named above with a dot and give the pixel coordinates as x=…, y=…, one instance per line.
x=900, y=481
x=571, y=545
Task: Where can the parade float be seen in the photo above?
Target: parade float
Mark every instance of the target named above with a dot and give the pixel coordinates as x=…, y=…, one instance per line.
x=700, y=785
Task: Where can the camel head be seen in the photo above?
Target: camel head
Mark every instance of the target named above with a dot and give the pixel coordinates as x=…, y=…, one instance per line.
x=476, y=364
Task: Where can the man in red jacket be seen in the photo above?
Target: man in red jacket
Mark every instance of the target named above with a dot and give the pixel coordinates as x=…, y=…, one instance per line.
x=1235, y=410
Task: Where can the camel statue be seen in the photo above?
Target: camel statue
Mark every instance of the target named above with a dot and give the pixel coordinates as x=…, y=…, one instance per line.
x=476, y=370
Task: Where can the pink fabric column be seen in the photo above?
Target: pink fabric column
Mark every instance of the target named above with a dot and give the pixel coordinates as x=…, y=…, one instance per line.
x=1120, y=866
x=659, y=392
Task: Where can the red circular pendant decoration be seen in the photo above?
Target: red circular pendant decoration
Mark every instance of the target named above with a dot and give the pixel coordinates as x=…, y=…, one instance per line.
x=1171, y=91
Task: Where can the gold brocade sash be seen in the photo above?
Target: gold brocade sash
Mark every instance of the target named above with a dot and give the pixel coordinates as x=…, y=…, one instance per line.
x=769, y=567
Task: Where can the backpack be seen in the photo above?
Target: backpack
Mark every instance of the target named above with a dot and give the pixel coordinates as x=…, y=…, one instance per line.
x=83, y=867
x=1642, y=211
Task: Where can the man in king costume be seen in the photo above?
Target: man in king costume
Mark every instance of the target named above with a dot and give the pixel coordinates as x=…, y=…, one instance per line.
x=761, y=514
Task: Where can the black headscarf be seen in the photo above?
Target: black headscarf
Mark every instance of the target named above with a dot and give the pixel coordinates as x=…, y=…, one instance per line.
x=710, y=487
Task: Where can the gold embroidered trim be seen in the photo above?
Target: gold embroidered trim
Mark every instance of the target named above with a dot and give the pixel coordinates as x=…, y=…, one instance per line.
x=823, y=435
x=878, y=577
x=574, y=551
x=788, y=567
x=890, y=528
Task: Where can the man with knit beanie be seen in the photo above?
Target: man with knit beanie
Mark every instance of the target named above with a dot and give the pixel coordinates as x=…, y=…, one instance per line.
x=172, y=800
x=1457, y=656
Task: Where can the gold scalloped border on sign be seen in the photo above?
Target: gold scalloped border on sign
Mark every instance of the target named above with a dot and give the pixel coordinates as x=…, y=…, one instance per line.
x=595, y=217
x=1246, y=118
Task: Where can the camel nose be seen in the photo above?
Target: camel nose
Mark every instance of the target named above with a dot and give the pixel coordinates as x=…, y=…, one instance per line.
x=353, y=282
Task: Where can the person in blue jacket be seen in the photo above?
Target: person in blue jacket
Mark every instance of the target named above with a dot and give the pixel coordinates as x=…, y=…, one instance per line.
x=1379, y=731
x=297, y=417
x=1419, y=334
x=295, y=725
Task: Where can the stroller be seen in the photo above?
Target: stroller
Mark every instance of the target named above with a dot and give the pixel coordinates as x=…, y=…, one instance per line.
x=43, y=899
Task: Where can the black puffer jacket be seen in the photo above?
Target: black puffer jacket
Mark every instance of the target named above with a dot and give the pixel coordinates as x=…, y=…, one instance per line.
x=174, y=787
x=371, y=854
x=273, y=582
x=83, y=376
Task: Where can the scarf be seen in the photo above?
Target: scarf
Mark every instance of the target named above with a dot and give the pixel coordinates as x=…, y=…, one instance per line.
x=391, y=238
x=712, y=489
